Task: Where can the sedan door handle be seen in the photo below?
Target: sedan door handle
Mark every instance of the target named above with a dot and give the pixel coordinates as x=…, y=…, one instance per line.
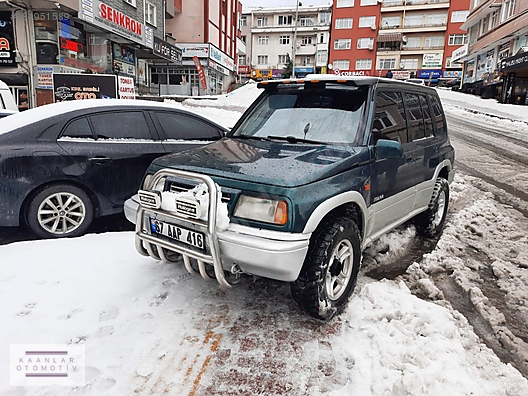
x=99, y=160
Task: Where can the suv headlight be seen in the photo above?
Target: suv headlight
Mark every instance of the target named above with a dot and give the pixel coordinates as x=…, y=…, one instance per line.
x=262, y=209
x=159, y=185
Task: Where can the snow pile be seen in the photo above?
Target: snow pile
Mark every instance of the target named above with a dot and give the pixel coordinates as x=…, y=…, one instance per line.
x=237, y=100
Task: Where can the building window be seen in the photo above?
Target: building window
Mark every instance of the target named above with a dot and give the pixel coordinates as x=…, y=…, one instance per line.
x=409, y=64
x=285, y=19
x=243, y=21
x=434, y=41
x=413, y=42
x=366, y=42
x=342, y=44
x=413, y=20
x=322, y=56
x=367, y=21
x=306, y=40
x=131, y=2
x=363, y=64
x=343, y=23
x=284, y=40
x=459, y=16
x=508, y=9
x=342, y=64
x=390, y=22
x=325, y=17
x=306, y=60
x=263, y=40
x=493, y=19
x=283, y=59
x=345, y=3
x=482, y=26
x=262, y=21
x=368, y=2
x=242, y=60
x=306, y=21
x=436, y=19
x=150, y=14
x=243, y=38
x=262, y=59
x=387, y=63
x=322, y=38
x=458, y=39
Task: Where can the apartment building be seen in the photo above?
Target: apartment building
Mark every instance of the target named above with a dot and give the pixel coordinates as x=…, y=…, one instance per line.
x=496, y=57
x=274, y=36
x=412, y=38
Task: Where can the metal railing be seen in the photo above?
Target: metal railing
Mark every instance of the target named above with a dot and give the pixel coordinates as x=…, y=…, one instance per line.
x=399, y=3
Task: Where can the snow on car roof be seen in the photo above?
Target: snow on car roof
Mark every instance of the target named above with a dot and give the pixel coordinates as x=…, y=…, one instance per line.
x=36, y=114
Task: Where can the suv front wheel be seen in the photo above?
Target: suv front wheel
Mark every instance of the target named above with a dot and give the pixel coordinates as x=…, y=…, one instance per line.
x=330, y=270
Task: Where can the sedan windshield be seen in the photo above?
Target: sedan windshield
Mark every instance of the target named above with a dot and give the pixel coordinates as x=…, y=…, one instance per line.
x=329, y=115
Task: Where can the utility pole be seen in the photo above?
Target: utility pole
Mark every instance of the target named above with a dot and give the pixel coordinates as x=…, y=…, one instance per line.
x=294, y=47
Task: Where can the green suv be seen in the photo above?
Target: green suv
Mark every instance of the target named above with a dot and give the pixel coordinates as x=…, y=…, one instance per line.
x=313, y=172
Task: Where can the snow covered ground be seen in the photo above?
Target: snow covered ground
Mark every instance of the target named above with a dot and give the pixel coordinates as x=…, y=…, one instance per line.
x=150, y=328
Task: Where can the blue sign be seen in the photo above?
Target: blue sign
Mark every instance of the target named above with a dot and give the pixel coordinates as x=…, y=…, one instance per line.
x=304, y=70
x=425, y=74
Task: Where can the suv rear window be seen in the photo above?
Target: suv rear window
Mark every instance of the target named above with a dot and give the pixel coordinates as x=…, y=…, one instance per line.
x=329, y=115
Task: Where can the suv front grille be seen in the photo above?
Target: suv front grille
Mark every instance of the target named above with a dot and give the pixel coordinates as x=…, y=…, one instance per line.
x=178, y=188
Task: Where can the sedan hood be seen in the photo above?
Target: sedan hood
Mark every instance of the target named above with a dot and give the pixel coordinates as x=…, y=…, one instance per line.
x=273, y=163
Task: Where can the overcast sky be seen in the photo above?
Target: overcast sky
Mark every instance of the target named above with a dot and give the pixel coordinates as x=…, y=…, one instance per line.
x=285, y=3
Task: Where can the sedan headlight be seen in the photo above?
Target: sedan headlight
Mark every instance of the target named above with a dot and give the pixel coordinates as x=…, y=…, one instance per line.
x=262, y=209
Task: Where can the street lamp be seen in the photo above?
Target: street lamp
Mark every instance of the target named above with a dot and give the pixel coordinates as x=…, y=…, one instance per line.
x=294, y=47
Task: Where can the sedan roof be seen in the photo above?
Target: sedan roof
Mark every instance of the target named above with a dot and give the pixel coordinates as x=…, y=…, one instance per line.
x=40, y=113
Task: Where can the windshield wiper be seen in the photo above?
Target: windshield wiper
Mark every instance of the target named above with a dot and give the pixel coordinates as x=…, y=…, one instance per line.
x=250, y=137
x=293, y=139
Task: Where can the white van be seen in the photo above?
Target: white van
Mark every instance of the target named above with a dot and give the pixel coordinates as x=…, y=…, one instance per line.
x=6, y=98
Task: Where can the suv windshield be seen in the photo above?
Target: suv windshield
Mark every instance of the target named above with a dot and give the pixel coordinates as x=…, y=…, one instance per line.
x=329, y=115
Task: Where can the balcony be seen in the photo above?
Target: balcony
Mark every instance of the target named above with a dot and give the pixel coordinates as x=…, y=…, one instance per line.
x=409, y=5
x=305, y=49
x=427, y=27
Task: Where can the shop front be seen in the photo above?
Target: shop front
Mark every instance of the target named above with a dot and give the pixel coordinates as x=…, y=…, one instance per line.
x=515, y=79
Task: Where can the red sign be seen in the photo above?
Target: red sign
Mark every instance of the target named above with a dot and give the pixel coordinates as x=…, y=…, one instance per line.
x=201, y=73
x=352, y=72
x=4, y=44
x=120, y=19
x=243, y=70
x=71, y=45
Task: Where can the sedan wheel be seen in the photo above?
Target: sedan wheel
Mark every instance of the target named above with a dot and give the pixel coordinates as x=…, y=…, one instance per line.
x=60, y=211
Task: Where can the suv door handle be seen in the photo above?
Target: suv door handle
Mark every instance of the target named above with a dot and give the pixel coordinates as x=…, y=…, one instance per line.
x=99, y=160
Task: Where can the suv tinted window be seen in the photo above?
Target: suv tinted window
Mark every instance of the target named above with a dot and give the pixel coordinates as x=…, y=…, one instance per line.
x=121, y=125
x=389, y=118
x=78, y=128
x=182, y=126
x=439, y=119
x=415, y=120
x=429, y=131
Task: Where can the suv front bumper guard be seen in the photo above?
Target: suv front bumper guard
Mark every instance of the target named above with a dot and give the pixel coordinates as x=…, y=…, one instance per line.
x=271, y=254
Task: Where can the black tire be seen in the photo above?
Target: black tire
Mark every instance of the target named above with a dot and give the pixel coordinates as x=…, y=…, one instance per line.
x=59, y=211
x=313, y=290
x=431, y=222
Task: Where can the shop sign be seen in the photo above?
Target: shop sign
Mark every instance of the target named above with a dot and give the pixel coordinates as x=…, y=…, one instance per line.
x=126, y=88
x=217, y=67
x=71, y=45
x=243, y=70
x=346, y=73
x=277, y=73
x=485, y=64
x=103, y=15
x=125, y=68
x=83, y=86
x=401, y=74
x=221, y=58
x=7, y=44
x=515, y=62
x=429, y=74
x=304, y=70
x=201, y=72
x=167, y=51
x=432, y=60
x=192, y=50
x=459, y=53
x=452, y=73
x=44, y=77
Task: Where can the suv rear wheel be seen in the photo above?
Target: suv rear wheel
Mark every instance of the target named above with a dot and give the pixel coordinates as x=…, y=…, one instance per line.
x=329, y=272
x=429, y=223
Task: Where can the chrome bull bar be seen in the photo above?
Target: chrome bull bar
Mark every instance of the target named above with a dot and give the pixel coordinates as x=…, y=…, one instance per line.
x=150, y=241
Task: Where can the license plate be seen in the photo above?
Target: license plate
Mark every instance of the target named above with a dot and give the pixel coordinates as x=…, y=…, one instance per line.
x=181, y=234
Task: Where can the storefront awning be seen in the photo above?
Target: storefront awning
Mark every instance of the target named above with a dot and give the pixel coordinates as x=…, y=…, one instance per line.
x=388, y=37
x=519, y=61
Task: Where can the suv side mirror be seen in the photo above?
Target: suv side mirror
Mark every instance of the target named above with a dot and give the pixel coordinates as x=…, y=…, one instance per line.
x=388, y=149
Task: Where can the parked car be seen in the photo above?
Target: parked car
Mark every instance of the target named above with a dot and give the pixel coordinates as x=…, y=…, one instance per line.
x=418, y=81
x=313, y=172
x=63, y=164
x=5, y=112
x=454, y=83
